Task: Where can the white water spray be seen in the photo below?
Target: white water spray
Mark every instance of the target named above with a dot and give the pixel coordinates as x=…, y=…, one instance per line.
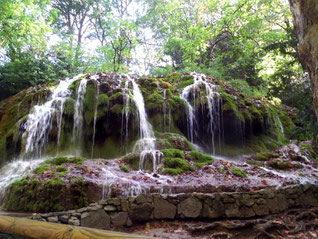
x=146, y=144
x=78, y=111
x=39, y=121
x=213, y=99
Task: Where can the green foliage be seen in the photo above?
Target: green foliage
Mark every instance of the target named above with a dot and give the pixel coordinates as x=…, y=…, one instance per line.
x=177, y=163
x=196, y=156
x=58, y=161
x=124, y=168
x=42, y=168
x=238, y=172
x=173, y=153
x=60, y=169
x=263, y=156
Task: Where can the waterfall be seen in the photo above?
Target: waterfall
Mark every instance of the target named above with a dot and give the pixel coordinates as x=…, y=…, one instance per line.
x=95, y=118
x=146, y=144
x=78, y=111
x=214, y=102
x=39, y=121
x=125, y=114
x=280, y=125
x=59, y=123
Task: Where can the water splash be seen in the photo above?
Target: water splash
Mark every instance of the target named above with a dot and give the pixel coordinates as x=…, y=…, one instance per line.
x=39, y=121
x=146, y=144
x=16, y=170
x=214, y=103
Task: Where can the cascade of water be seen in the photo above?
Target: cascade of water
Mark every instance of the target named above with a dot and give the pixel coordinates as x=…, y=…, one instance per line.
x=78, y=111
x=39, y=121
x=214, y=102
x=95, y=118
x=16, y=170
x=280, y=125
x=59, y=123
x=125, y=113
x=146, y=144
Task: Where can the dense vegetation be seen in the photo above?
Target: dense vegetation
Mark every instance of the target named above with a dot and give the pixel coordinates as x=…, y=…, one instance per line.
x=249, y=44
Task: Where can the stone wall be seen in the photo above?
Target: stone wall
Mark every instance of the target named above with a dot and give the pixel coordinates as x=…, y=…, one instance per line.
x=126, y=211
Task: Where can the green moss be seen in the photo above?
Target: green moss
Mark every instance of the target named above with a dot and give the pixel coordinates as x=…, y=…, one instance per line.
x=255, y=163
x=42, y=168
x=173, y=171
x=200, y=157
x=58, y=161
x=90, y=101
x=117, y=98
x=176, y=163
x=116, y=109
x=279, y=164
x=69, y=107
x=238, y=172
x=74, y=85
x=173, y=78
x=154, y=102
x=173, y=153
x=132, y=160
x=62, y=174
x=263, y=156
x=229, y=104
x=185, y=81
x=77, y=160
x=172, y=140
x=124, y=168
x=60, y=169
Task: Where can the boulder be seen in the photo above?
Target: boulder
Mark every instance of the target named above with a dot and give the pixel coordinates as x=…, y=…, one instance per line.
x=96, y=219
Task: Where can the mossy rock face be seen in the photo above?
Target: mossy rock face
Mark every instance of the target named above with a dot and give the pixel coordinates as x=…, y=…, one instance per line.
x=263, y=156
x=282, y=164
x=133, y=160
x=176, y=166
x=69, y=108
x=200, y=159
x=32, y=195
x=90, y=101
x=172, y=140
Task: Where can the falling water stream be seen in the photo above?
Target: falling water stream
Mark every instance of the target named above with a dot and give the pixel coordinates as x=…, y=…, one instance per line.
x=214, y=107
x=146, y=144
x=39, y=121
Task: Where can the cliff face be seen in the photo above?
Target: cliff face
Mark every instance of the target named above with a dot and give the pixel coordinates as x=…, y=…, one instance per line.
x=102, y=116
x=305, y=14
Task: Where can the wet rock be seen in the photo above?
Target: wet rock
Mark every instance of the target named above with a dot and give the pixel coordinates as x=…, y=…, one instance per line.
x=124, y=205
x=95, y=207
x=190, y=208
x=164, y=209
x=143, y=199
x=246, y=200
x=119, y=219
x=53, y=219
x=64, y=218
x=110, y=208
x=142, y=212
x=38, y=218
x=96, y=219
x=247, y=212
x=74, y=221
x=212, y=208
x=261, y=210
x=232, y=210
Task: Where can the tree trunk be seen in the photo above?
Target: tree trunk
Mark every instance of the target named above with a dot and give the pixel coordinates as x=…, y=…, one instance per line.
x=305, y=14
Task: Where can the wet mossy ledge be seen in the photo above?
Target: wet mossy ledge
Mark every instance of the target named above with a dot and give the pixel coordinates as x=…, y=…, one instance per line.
x=247, y=125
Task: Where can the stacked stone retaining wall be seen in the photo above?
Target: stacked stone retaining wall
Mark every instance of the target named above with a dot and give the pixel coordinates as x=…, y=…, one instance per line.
x=127, y=211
